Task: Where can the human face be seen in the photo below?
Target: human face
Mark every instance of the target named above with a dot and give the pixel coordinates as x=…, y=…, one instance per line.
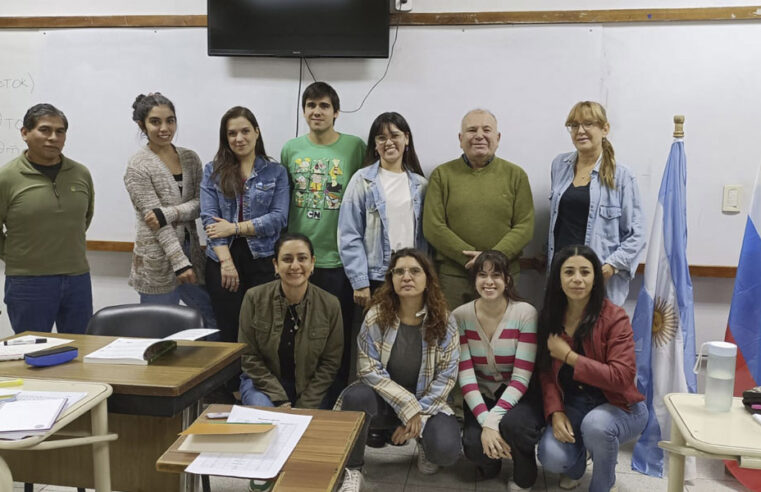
x=45, y=141
x=390, y=144
x=408, y=277
x=320, y=114
x=479, y=137
x=294, y=264
x=577, y=276
x=587, y=134
x=490, y=284
x=242, y=137
x=160, y=126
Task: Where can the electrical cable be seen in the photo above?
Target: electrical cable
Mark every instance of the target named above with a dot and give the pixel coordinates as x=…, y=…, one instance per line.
x=298, y=97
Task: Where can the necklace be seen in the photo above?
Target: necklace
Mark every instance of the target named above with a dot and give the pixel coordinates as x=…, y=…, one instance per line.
x=294, y=316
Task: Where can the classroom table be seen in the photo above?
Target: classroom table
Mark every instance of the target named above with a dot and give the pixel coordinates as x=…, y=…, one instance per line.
x=695, y=431
x=316, y=463
x=98, y=437
x=149, y=406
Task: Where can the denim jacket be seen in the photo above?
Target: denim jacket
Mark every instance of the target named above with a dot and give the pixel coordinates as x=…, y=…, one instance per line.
x=615, y=225
x=265, y=204
x=363, y=242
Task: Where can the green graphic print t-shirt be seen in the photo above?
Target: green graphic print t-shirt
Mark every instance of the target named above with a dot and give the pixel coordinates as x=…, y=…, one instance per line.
x=319, y=175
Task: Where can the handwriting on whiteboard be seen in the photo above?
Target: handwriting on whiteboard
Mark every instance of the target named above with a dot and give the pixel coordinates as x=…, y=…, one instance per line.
x=23, y=82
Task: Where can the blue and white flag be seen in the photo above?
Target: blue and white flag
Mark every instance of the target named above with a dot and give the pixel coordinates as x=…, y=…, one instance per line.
x=663, y=322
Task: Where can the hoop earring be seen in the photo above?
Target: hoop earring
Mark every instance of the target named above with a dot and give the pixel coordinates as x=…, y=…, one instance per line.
x=277, y=275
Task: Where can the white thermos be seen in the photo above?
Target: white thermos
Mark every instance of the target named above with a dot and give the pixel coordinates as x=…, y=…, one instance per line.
x=720, y=375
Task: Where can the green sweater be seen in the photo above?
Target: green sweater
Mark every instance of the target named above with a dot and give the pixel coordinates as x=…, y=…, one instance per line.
x=477, y=209
x=44, y=221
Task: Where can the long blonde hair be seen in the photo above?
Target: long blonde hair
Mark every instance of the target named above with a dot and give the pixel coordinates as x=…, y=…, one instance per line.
x=596, y=112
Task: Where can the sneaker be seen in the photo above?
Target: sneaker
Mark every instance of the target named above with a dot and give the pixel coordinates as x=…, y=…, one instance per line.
x=256, y=485
x=353, y=480
x=568, y=483
x=423, y=465
x=513, y=487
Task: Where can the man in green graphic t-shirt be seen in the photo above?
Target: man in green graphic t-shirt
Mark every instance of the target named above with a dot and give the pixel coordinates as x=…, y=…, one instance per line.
x=320, y=165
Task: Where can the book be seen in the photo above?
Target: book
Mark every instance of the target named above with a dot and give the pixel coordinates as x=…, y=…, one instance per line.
x=142, y=351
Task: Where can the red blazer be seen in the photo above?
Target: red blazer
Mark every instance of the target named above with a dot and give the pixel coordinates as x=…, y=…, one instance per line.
x=609, y=363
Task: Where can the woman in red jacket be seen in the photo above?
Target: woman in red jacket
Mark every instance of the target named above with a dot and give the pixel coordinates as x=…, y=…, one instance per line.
x=587, y=368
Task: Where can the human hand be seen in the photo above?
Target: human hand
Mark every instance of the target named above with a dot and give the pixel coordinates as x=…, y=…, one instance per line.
x=187, y=277
x=221, y=229
x=493, y=445
x=473, y=255
x=561, y=428
x=286, y=404
x=558, y=347
x=608, y=271
x=230, y=280
x=362, y=296
x=152, y=221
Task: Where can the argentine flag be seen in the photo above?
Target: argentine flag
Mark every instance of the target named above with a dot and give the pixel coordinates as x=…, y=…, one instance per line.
x=663, y=321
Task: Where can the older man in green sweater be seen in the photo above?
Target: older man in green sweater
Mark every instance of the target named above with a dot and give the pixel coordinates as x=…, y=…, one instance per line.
x=475, y=203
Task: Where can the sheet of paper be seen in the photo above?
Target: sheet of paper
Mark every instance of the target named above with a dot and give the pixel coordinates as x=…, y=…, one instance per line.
x=30, y=415
x=229, y=443
x=191, y=334
x=71, y=398
x=288, y=430
x=123, y=348
x=218, y=428
x=16, y=352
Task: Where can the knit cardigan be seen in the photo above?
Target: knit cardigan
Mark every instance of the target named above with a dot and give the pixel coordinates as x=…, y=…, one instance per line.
x=158, y=255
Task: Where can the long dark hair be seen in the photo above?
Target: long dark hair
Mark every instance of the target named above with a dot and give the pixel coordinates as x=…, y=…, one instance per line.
x=556, y=302
x=226, y=165
x=410, y=161
x=387, y=300
x=499, y=263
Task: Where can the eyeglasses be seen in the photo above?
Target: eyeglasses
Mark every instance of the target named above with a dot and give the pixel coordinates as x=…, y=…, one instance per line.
x=413, y=271
x=574, y=126
x=382, y=139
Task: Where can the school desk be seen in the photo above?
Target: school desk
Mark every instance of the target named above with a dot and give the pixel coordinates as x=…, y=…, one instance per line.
x=149, y=406
x=695, y=431
x=316, y=463
x=94, y=403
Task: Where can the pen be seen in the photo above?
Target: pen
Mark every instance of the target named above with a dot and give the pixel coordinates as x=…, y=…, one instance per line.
x=11, y=382
x=25, y=341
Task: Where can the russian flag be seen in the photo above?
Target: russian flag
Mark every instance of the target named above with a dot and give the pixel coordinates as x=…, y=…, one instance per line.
x=663, y=321
x=744, y=326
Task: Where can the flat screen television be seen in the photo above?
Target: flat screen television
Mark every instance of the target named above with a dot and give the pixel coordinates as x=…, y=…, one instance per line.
x=298, y=28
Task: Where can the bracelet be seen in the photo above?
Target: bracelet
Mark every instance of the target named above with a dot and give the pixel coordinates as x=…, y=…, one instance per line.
x=565, y=359
x=237, y=230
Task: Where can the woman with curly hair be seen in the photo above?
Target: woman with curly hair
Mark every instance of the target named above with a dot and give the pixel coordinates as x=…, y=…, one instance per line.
x=407, y=363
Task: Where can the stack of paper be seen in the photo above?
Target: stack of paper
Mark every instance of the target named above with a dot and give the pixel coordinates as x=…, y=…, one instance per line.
x=227, y=438
x=288, y=430
x=32, y=399
x=29, y=417
x=143, y=351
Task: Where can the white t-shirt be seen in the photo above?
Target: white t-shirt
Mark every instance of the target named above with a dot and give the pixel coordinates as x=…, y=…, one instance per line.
x=399, y=213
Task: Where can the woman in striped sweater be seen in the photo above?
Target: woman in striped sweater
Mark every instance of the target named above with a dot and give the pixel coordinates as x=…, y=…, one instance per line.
x=497, y=351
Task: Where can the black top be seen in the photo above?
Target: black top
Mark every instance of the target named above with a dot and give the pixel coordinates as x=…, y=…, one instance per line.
x=406, y=357
x=573, y=212
x=573, y=388
x=49, y=171
x=285, y=350
x=178, y=180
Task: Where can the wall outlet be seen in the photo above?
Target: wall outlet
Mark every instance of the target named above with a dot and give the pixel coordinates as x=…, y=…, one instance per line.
x=732, y=199
x=402, y=5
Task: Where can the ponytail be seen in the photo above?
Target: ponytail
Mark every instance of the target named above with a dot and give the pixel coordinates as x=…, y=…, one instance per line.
x=608, y=165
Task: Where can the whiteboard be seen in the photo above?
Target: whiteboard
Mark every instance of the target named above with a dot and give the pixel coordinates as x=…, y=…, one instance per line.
x=529, y=76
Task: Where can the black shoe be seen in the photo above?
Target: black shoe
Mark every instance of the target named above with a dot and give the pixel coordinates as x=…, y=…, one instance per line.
x=376, y=439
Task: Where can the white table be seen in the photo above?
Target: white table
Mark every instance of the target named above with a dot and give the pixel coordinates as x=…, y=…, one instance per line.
x=695, y=431
x=57, y=437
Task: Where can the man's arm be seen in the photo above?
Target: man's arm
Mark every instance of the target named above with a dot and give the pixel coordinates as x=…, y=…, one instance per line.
x=435, y=227
x=522, y=227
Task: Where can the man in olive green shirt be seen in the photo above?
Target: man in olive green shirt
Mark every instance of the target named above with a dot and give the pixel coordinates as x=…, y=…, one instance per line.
x=475, y=203
x=46, y=205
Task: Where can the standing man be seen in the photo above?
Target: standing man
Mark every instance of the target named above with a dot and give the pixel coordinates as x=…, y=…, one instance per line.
x=320, y=165
x=475, y=203
x=46, y=205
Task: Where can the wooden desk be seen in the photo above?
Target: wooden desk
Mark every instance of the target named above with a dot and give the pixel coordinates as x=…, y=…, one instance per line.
x=95, y=404
x=146, y=410
x=316, y=463
x=695, y=431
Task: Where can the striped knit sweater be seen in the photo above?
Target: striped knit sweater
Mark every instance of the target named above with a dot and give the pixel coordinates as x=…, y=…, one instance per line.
x=486, y=365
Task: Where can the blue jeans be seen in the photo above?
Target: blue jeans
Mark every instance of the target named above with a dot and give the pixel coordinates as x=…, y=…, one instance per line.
x=193, y=295
x=249, y=395
x=599, y=430
x=36, y=302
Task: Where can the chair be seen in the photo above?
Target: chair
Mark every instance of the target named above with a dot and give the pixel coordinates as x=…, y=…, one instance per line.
x=143, y=320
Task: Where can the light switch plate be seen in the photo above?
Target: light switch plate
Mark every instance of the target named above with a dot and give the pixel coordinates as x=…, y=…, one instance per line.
x=402, y=5
x=732, y=198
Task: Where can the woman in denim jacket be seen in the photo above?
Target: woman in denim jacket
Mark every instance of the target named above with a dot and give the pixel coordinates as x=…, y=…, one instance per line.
x=244, y=206
x=595, y=201
x=382, y=208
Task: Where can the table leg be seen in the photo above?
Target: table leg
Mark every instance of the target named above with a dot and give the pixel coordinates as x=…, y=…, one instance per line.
x=676, y=462
x=190, y=482
x=100, y=456
x=6, y=478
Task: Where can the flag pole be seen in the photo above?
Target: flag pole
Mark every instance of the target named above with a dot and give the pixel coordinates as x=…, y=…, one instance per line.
x=678, y=126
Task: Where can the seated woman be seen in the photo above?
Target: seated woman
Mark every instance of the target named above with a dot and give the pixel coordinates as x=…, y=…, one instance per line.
x=497, y=351
x=408, y=354
x=293, y=333
x=587, y=368
x=244, y=206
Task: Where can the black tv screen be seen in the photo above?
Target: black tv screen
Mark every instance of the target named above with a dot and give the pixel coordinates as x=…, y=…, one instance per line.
x=298, y=28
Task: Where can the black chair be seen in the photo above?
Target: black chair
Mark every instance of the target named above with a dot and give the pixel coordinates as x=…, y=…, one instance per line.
x=143, y=320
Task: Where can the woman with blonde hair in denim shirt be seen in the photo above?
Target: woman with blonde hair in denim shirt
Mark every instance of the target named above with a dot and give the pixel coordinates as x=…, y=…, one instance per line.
x=382, y=207
x=244, y=206
x=595, y=201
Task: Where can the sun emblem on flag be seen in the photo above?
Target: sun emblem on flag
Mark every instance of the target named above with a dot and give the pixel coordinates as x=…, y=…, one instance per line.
x=664, y=322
